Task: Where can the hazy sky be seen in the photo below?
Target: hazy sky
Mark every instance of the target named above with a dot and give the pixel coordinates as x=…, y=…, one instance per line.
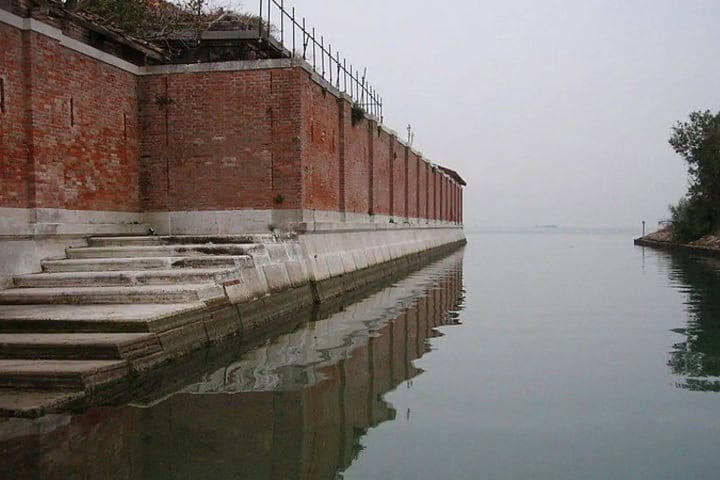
x=554, y=111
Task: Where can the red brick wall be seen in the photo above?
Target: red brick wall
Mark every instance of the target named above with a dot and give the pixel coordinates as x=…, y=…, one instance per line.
x=320, y=147
x=77, y=133
x=399, y=176
x=82, y=118
x=85, y=136
x=357, y=165
x=221, y=140
x=13, y=150
x=381, y=172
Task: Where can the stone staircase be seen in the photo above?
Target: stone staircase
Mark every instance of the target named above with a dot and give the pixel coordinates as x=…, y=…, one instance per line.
x=85, y=319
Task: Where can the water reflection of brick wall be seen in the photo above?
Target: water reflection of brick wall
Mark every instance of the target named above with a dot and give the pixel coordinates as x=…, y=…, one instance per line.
x=285, y=433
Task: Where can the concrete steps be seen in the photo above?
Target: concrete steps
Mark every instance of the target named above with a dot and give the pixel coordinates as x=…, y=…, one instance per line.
x=179, y=240
x=76, y=375
x=138, y=251
x=118, y=278
x=185, y=293
x=89, y=318
x=78, y=346
x=118, y=302
x=145, y=263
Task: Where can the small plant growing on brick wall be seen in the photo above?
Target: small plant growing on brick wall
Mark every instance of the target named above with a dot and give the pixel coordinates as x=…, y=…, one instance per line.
x=278, y=199
x=163, y=101
x=357, y=113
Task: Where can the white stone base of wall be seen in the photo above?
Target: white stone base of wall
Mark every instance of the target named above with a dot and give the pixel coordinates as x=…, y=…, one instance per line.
x=318, y=256
x=341, y=241
x=228, y=222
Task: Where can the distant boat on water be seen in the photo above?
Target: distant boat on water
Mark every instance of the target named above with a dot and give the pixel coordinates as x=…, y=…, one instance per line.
x=546, y=226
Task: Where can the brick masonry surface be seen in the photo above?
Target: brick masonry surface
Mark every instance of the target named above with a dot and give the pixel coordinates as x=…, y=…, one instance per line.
x=69, y=136
x=80, y=134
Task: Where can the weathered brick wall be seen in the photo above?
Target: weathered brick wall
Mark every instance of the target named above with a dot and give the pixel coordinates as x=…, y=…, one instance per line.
x=320, y=142
x=381, y=173
x=14, y=153
x=78, y=133
x=71, y=133
x=85, y=135
x=399, y=168
x=221, y=140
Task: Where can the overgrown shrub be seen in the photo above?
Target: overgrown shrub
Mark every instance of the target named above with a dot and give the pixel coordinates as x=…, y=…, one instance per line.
x=690, y=220
x=357, y=113
x=132, y=16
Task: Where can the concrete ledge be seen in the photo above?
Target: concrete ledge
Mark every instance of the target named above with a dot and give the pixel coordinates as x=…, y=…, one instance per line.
x=24, y=223
x=228, y=222
x=677, y=247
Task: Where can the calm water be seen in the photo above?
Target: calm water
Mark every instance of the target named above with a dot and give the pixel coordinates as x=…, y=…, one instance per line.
x=529, y=355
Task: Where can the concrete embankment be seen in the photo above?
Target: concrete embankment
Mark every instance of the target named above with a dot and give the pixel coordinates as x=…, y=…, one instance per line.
x=122, y=307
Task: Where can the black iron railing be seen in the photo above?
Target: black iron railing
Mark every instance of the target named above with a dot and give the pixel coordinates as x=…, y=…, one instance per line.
x=301, y=41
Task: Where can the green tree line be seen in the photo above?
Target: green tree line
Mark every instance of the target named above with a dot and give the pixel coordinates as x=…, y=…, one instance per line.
x=697, y=141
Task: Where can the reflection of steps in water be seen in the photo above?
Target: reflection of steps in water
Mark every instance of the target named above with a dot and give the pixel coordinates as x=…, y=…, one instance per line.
x=293, y=360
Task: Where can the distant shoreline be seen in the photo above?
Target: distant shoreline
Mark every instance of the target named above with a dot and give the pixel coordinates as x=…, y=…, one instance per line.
x=662, y=239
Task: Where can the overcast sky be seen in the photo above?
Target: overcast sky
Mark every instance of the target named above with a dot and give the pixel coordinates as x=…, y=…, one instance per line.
x=554, y=111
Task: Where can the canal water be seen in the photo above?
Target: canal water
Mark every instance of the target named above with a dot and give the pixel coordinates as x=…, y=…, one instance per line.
x=538, y=354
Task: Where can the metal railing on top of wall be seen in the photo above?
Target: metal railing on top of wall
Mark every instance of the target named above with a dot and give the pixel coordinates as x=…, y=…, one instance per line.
x=302, y=41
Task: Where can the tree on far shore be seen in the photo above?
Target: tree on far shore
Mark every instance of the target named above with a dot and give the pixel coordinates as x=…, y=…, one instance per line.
x=697, y=141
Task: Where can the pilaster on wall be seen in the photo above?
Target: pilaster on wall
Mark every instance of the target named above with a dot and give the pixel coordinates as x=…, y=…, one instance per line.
x=418, y=162
x=423, y=168
x=406, y=155
x=400, y=182
x=372, y=126
x=382, y=151
x=343, y=113
x=393, y=161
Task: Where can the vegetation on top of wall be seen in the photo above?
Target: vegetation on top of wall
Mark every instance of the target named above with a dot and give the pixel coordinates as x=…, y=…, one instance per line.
x=154, y=20
x=697, y=141
x=357, y=113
